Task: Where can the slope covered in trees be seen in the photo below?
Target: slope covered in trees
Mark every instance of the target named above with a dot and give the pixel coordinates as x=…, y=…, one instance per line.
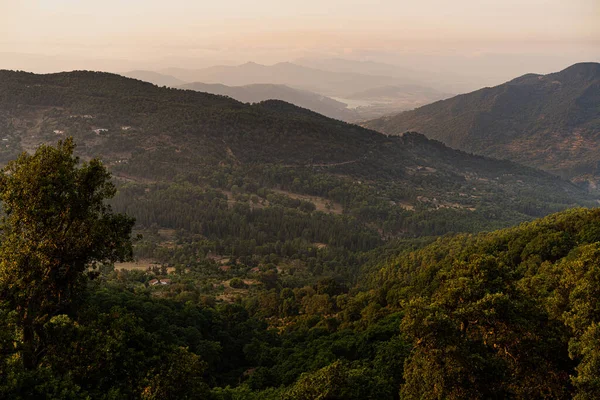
x=511, y=313
x=506, y=314
x=549, y=121
x=147, y=135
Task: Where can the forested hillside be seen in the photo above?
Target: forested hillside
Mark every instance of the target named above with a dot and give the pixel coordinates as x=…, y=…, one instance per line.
x=506, y=314
x=276, y=253
x=147, y=134
x=207, y=177
x=551, y=122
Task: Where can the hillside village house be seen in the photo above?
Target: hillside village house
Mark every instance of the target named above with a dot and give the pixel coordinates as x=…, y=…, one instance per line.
x=155, y=282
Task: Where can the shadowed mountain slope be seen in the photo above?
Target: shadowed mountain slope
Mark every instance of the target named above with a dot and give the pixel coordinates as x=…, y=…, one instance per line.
x=547, y=121
x=150, y=134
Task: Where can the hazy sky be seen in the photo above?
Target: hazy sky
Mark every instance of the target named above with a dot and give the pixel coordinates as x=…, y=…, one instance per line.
x=118, y=34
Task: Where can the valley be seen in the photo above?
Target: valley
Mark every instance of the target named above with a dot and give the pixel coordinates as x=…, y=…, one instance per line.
x=344, y=95
x=278, y=253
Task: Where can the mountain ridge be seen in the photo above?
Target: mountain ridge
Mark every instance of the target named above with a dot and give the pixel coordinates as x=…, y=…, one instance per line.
x=325, y=82
x=354, y=89
x=154, y=78
x=258, y=92
x=547, y=121
x=146, y=133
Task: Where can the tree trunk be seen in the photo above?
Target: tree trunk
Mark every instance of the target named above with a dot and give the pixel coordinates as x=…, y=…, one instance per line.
x=29, y=357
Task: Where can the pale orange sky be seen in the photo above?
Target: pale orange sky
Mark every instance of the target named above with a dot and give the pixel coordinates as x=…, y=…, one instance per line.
x=119, y=34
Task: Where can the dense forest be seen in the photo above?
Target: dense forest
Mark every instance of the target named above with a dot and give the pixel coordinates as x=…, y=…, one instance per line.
x=507, y=314
x=229, y=251
x=146, y=134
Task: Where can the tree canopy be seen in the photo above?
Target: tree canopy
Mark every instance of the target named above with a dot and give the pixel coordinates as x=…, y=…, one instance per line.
x=55, y=230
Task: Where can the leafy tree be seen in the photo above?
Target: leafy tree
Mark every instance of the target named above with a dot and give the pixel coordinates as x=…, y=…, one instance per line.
x=55, y=230
x=237, y=283
x=580, y=276
x=339, y=381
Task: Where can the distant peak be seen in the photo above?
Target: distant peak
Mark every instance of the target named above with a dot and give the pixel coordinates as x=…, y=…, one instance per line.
x=585, y=70
x=577, y=72
x=251, y=64
x=287, y=64
x=582, y=66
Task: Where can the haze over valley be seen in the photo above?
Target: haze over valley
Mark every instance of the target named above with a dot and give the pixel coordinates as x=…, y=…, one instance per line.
x=344, y=95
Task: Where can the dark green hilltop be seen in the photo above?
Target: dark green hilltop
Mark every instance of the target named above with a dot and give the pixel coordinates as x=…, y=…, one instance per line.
x=551, y=122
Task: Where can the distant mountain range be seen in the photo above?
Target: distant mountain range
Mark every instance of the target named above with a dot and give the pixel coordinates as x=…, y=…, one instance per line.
x=547, y=121
x=347, y=96
x=257, y=93
x=328, y=83
x=154, y=77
